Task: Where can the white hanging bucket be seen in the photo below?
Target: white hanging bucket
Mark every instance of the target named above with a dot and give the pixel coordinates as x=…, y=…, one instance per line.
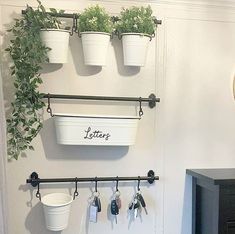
x=106, y=130
x=58, y=41
x=95, y=47
x=135, y=47
x=56, y=208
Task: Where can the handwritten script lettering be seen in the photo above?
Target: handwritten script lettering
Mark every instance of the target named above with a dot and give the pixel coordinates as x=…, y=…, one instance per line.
x=90, y=134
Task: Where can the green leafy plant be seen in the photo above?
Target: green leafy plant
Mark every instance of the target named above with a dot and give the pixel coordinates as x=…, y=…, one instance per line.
x=27, y=53
x=136, y=20
x=44, y=19
x=95, y=19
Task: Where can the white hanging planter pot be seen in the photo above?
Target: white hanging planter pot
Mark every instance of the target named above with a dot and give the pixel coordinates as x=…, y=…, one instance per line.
x=58, y=41
x=56, y=208
x=135, y=47
x=95, y=47
x=96, y=130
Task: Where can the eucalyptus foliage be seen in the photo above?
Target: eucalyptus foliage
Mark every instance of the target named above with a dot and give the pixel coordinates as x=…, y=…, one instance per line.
x=96, y=19
x=27, y=53
x=136, y=20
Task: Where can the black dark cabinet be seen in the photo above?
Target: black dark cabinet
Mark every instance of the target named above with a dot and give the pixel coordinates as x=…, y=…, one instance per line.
x=213, y=201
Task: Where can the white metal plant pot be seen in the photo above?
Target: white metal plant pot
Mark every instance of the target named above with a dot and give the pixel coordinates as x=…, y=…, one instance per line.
x=58, y=41
x=135, y=47
x=56, y=208
x=95, y=47
x=96, y=130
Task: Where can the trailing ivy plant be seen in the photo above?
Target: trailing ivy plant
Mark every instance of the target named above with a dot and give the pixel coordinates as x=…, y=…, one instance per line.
x=44, y=19
x=136, y=20
x=27, y=53
x=95, y=19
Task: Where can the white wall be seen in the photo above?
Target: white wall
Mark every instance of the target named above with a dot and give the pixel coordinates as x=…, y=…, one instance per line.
x=190, y=65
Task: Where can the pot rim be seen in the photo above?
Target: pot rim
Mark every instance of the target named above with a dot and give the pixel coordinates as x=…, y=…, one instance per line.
x=54, y=29
x=136, y=34
x=55, y=205
x=93, y=32
x=85, y=116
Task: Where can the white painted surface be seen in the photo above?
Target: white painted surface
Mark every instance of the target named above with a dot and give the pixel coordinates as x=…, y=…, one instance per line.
x=190, y=65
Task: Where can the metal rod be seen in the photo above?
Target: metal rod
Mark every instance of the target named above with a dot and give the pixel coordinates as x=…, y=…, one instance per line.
x=151, y=99
x=34, y=180
x=60, y=15
x=71, y=16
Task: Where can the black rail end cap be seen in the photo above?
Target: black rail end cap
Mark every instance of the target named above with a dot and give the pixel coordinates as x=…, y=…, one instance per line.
x=34, y=177
x=151, y=174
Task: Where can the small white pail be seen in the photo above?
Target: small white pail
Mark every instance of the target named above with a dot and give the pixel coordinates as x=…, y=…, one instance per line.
x=135, y=47
x=58, y=41
x=95, y=47
x=56, y=208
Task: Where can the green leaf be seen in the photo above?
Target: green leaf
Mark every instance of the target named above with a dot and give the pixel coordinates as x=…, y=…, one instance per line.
x=31, y=147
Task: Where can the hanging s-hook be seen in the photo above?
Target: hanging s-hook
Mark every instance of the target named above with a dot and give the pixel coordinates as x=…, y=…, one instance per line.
x=49, y=110
x=117, y=180
x=75, y=194
x=141, y=110
x=38, y=194
x=96, y=184
x=138, y=186
x=74, y=27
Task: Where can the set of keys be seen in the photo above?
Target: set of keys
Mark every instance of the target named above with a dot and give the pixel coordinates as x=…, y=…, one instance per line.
x=116, y=204
x=137, y=204
x=95, y=207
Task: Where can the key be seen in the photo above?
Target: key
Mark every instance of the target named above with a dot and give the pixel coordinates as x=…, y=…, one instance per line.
x=93, y=213
x=136, y=208
x=118, y=200
x=97, y=203
x=114, y=209
x=119, y=203
x=131, y=206
x=142, y=202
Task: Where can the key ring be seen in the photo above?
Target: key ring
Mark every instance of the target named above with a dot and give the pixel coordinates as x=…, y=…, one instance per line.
x=96, y=194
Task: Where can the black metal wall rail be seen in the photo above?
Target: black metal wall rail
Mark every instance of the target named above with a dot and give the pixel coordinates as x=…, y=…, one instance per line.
x=76, y=16
x=152, y=99
x=34, y=180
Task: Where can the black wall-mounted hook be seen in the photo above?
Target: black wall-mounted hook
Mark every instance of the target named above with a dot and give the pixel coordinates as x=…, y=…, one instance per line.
x=75, y=194
x=138, y=185
x=96, y=182
x=38, y=194
x=49, y=110
x=117, y=180
x=74, y=28
x=141, y=110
